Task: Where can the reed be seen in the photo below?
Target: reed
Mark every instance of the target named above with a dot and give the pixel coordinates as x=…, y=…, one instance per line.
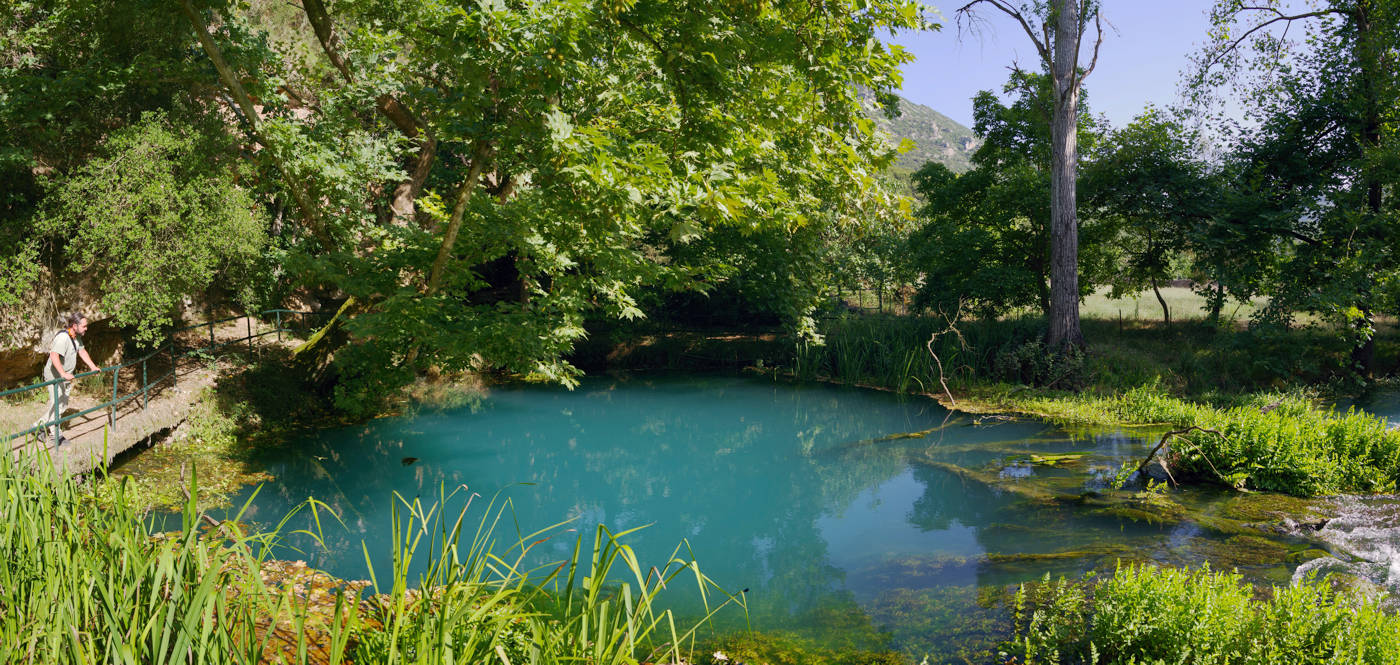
x=893, y=351
x=91, y=582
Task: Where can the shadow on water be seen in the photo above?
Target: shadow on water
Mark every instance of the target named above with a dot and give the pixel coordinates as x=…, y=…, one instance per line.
x=845, y=536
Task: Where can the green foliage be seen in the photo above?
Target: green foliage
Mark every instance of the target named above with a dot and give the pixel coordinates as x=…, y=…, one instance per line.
x=156, y=217
x=984, y=242
x=1144, y=614
x=1144, y=181
x=1033, y=364
x=1310, y=220
x=589, y=154
x=1272, y=440
x=70, y=567
x=892, y=351
x=73, y=71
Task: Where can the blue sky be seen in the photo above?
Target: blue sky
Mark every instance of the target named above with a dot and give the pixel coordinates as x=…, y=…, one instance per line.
x=1140, y=60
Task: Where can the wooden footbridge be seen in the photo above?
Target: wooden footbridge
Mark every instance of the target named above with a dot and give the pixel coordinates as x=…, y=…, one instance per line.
x=115, y=408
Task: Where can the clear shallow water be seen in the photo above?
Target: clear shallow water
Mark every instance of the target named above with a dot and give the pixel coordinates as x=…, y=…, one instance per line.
x=790, y=491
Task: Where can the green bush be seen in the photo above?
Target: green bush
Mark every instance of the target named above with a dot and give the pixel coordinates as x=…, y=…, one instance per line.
x=1031, y=363
x=1162, y=615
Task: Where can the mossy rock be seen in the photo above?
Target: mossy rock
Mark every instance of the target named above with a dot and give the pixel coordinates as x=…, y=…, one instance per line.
x=1303, y=556
x=1048, y=459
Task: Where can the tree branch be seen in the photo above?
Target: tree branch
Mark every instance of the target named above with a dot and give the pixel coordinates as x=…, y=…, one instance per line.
x=1233, y=44
x=1094, y=61
x=459, y=207
x=297, y=189
x=1043, y=49
x=1168, y=435
x=402, y=202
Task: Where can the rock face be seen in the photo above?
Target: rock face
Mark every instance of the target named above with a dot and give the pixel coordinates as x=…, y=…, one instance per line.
x=27, y=329
x=936, y=137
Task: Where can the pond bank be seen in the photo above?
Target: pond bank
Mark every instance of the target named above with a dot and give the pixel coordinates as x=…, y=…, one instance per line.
x=1241, y=532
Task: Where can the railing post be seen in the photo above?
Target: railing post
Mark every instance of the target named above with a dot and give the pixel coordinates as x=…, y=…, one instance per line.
x=249, y=320
x=279, y=326
x=112, y=408
x=145, y=387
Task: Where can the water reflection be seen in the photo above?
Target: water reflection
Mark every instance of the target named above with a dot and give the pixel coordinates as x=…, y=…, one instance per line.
x=798, y=493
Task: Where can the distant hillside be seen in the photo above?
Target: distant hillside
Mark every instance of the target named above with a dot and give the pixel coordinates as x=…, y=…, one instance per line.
x=936, y=136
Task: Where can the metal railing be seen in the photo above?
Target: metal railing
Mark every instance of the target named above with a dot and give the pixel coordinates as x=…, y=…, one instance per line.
x=169, y=348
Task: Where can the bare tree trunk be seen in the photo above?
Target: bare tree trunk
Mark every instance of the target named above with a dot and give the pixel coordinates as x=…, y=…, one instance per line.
x=1064, y=226
x=1166, y=313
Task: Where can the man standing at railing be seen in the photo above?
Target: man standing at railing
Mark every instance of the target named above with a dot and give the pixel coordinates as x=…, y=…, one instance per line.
x=63, y=359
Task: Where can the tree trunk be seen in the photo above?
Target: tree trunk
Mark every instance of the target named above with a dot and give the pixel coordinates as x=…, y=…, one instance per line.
x=1166, y=313
x=1217, y=303
x=401, y=203
x=298, y=189
x=1064, y=227
x=1364, y=355
x=454, y=224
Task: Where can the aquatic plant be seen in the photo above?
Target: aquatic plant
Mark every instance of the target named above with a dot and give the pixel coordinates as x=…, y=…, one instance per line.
x=1280, y=442
x=1144, y=614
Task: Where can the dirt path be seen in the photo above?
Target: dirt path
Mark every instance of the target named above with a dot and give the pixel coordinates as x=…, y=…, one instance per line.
x=93, y=441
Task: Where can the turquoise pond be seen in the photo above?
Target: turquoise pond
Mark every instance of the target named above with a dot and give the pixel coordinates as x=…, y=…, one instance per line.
x=796, y=493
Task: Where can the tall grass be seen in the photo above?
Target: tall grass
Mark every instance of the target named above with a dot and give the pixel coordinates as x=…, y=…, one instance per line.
x=1149, y=615
x=892, y=351
x=83, y=583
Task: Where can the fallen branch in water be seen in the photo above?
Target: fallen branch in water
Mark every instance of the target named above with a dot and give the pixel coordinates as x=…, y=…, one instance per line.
x=1163, y=442
x=950, y=328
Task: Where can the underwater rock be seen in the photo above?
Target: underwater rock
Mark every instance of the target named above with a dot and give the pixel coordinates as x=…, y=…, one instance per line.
x=1304, y=556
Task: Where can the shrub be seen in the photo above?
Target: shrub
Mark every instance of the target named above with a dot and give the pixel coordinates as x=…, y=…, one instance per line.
x=1144, y=614
x=1033, y=364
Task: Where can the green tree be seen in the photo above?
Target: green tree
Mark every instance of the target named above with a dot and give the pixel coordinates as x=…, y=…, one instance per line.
x=984, y=241
x=1144, y=181
x=155, y=217
x=561, y=167
x=73, y=73
x=1057, y=28
x=1318, y=165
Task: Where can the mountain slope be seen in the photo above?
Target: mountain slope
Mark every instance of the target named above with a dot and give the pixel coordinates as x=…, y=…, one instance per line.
x=936, y=136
